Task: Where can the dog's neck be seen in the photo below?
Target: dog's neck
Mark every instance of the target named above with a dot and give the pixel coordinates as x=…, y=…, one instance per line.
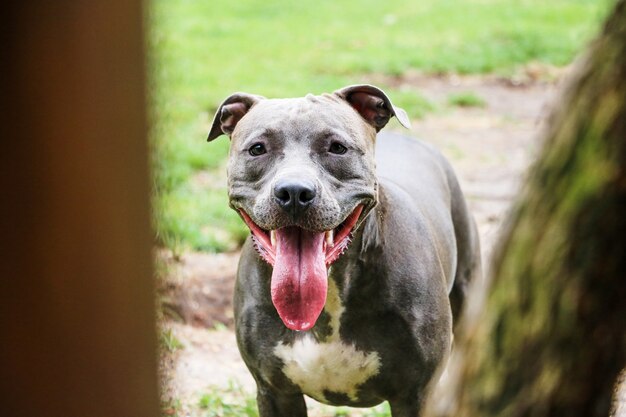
x=355, y=268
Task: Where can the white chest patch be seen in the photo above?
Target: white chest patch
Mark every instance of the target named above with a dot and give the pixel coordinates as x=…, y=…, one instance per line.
x=334, y=366
x=330, y=365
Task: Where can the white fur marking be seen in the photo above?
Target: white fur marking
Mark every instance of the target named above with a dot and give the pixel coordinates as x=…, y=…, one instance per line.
x=334, y=366
x=331, y=365
x=334, y=308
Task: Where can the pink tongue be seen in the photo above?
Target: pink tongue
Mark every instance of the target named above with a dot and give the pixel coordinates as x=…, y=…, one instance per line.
x=299, y=279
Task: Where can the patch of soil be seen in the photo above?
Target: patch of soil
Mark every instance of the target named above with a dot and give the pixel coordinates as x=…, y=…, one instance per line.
x=197, y=288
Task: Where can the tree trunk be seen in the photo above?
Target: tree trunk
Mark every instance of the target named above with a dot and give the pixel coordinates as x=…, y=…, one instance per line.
x=548, y=338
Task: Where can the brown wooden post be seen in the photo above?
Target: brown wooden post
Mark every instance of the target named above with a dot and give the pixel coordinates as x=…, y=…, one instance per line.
x=77, y=326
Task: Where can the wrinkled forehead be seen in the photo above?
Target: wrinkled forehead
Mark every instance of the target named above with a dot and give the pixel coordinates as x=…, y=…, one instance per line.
x=303, y=117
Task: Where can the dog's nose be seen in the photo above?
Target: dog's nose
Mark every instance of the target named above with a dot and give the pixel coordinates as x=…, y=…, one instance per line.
x=293, y=195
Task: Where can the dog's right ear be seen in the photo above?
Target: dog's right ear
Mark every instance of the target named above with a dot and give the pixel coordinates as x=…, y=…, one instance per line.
x=230, y=112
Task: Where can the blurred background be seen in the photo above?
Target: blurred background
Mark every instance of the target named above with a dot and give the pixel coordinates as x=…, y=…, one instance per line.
x=475, y=76
x=201, y=51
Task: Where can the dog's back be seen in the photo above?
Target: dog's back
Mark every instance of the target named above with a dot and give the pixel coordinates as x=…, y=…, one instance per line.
x=427, y=177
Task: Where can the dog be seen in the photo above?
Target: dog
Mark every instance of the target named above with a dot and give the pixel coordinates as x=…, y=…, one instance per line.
x=360, y=253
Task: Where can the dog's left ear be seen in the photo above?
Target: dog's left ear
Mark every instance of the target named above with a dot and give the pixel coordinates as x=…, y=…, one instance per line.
x=373, y=105
x=230, y=112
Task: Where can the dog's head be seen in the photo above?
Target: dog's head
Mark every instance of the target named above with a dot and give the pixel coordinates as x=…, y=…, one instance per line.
x=301, y=174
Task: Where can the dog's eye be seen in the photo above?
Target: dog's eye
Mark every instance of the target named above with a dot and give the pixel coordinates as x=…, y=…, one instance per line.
x=337, y=148
x=257, y=149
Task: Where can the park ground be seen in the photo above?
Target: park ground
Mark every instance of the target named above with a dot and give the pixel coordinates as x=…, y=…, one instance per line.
x=490, y=141
x=477, y=78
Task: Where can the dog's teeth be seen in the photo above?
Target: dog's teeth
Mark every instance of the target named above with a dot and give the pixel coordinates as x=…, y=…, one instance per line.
x=330, y=238
x=273, y=237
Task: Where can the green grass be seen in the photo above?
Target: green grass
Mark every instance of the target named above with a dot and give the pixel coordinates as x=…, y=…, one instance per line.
x=466, y=99
x=235, y=402
x=201, y=51
x=169, y=342
x=216, y=404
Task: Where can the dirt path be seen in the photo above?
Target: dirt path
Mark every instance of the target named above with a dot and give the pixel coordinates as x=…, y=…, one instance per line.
x=490, y=148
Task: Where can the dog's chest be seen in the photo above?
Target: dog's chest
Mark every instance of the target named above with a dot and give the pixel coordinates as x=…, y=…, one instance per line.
x=329, y=369
x=325, y=369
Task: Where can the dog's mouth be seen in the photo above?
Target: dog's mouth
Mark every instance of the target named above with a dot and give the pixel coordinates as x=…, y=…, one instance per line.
x=334, y=242
x=300, y=259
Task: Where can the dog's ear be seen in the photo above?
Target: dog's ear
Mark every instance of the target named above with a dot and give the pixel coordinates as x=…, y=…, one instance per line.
x=230, y=112
x=373, y=105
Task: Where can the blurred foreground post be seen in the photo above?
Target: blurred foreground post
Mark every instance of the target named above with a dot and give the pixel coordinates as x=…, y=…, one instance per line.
x=550, y=338
x=77, y=325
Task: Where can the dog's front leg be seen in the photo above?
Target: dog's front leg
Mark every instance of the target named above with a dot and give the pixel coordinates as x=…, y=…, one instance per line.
x=274, y=404
x=409, y=406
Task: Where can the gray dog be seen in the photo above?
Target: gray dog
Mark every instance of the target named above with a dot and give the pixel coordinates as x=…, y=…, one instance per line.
x=347, y=288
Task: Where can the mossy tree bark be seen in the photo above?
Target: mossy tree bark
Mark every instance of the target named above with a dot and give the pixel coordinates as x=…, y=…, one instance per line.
x=548, y=337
